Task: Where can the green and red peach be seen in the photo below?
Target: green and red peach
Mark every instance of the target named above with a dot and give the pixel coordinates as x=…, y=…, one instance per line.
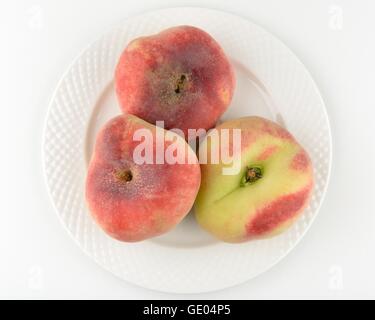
x=180, y=76
x=269, y=193
x=131, y=201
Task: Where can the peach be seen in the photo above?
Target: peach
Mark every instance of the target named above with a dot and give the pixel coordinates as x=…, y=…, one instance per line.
x=180, y=76
x=269, y=193
x=132, y=201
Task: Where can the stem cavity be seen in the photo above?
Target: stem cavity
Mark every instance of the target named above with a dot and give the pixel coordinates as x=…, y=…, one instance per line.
x=124, y=175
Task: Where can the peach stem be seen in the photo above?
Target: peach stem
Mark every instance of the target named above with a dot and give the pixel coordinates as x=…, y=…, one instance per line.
x=252, y=174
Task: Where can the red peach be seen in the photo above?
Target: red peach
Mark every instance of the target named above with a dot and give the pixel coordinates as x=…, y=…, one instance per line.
x=180, y=76
x=131, y=201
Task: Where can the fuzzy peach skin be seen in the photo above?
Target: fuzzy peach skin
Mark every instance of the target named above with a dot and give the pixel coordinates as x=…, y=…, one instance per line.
x=180, y=75
x=270, y=192
x=133, y=202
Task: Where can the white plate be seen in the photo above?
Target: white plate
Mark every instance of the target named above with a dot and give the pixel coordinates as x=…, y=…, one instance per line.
x=271, y=82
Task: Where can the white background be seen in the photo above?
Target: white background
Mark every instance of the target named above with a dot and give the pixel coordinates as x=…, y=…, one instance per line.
x=334, y=39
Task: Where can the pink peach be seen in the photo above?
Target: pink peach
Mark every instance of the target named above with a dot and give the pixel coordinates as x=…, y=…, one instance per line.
x=268, y=193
